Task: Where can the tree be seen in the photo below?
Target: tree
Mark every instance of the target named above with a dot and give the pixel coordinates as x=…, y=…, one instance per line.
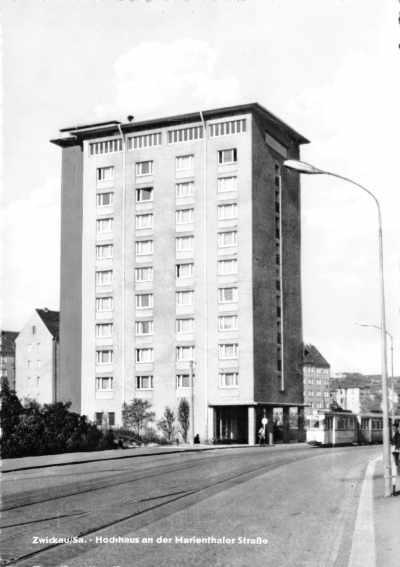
x=167, y=424
x=183, y=418
x=11, y=409
x=137, y=414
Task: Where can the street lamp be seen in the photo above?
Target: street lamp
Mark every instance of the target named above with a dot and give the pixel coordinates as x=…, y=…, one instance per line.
x=302, y=167
x=391, y=349
x=191, y=413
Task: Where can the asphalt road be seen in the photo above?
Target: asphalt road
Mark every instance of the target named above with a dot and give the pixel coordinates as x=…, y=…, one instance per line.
x=284, y=506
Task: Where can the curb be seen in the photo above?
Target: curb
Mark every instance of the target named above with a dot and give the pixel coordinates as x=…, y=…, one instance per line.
x=135, y=455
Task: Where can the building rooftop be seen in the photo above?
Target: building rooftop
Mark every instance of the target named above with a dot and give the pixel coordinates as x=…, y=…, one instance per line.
x=80, y=133
x=348, y=383
x=312, y=356
x=7, y=343
x=51, y=319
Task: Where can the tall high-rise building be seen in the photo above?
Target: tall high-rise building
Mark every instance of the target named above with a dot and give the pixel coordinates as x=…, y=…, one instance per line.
x=180, y=242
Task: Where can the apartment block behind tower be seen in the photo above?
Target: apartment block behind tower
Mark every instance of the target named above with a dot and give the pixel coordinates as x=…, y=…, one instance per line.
x=181, y=241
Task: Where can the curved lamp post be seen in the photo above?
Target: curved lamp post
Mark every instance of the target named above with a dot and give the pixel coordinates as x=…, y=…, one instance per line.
x=391, y=349
x=302, y=167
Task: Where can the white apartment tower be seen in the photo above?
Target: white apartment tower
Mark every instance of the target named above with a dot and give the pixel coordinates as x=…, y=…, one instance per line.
x=181, y=242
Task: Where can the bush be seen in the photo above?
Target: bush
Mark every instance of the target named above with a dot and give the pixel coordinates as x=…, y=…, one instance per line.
x=31, y=429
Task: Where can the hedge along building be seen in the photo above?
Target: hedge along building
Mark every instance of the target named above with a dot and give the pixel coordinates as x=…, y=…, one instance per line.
x=180, y=240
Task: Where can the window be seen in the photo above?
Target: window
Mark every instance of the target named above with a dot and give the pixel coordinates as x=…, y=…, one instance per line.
x=105, y=199
x=227, y=156
x=29, y=364
x=185, y=135
x=104, y=330
x=29, y=381
x=185, y=353
x=38, y=398
x=227, y=239
x=182, y=381
x=183, y=163
x=311, y=381
x=109, y=147
x=144, y=301
x=144, y=168
x=227, y=184
x=278, y=176
x=38, y=364
x=144, y=221
x=229, y=380
x=275, y=145
x=29, y=348
x=104, y=251
x=226, y=128
x=184, y=271
x=146, y=141
x=184, y=243
x=143, y=274
x=318, y=394
x=184, y=189
x=184, y=325
x=3, y=359
x=104, y=384
x=319, y=370
x=111, y=418
x=104, y=356
x=227, y=295
x=144, y=247
x=105, y=173
x=318, y=381
x=226, y=267
x=104, y=278
x=4, y=373
x=228, y=351
x=184, y=216
x=144, y=355
x=227, y=212
x=104, y=225
x=144, y=195
x=144, y=382
x=98, y=416
x=37, y=347
x=228, y=323
x=185, y=298
x=104, y=304
x=144, y=327
x=34, y=330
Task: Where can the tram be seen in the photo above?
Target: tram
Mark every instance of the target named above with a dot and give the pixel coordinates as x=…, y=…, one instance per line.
x=326, y=427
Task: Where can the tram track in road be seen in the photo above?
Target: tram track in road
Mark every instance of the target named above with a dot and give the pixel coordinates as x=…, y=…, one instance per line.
x=139, y=512
x=31, y=498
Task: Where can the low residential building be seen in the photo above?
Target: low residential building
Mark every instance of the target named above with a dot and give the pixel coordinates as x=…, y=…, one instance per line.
x=352, y=394
x=316, y=379
x=7, y=356
x=37, y=357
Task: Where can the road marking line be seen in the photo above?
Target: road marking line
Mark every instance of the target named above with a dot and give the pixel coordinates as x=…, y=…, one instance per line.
x=363, y=547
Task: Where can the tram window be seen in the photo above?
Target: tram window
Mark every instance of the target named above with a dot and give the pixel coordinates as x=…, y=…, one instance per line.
x=328, y=423
x=314, y=423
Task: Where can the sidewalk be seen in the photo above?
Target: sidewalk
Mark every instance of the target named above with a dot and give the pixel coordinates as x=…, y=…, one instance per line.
x=26, y=463
x=376, y=538
x=386, y=513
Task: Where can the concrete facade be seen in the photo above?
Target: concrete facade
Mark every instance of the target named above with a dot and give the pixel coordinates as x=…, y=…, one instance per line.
x=316, y=379
x=37, y=355
x=207, y=176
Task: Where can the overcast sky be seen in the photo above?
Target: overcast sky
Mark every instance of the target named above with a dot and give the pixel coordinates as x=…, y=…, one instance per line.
x=330, y=69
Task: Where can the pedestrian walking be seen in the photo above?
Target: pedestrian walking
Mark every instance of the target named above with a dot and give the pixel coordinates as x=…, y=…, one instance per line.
x=396, y=444
x=261, y=435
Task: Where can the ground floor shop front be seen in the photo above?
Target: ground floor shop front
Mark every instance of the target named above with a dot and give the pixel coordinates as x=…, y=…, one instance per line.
x=250, y=424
